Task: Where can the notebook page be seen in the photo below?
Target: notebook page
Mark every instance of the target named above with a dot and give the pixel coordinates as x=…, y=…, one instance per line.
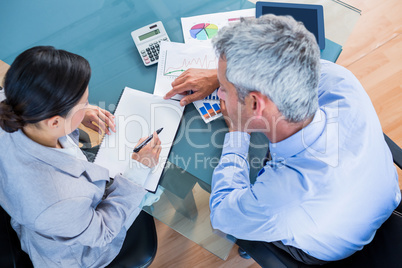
x=138, y=114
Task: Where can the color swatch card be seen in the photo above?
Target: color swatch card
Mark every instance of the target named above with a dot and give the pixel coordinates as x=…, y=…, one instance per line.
x=201, y=29
x=208, y=109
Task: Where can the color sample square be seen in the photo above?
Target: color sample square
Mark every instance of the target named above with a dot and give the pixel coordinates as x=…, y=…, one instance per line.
x=217, y=108
x=209, y=109
x=204, y=112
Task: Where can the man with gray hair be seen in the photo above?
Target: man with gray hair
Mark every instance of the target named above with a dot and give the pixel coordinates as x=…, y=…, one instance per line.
x=330, y=183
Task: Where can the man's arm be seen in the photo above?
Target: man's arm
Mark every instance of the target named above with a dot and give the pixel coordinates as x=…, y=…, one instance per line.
x=235, y=207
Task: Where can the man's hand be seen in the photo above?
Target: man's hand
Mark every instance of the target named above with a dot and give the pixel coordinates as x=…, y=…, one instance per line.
x=98, y=119
x=201, y=81
x=149, y=154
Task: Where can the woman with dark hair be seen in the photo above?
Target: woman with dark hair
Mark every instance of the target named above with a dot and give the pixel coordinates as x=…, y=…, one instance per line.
x=65, y=210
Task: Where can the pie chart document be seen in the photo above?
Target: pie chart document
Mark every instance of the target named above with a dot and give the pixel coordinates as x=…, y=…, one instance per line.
x=201, y=29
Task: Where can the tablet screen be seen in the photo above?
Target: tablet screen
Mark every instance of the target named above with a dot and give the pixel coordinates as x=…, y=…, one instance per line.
x=311, y=16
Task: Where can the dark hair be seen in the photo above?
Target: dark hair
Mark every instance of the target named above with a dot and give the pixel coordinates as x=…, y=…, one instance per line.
x=42, y=82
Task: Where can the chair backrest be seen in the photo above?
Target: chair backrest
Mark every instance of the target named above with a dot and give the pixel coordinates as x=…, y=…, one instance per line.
x=11, y=254
x=395, y=150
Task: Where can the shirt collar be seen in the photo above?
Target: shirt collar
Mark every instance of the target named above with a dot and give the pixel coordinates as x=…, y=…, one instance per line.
x=301, y=140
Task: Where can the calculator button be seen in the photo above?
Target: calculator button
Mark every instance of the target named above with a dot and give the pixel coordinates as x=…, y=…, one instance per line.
x=164, y=39
x=156, y=57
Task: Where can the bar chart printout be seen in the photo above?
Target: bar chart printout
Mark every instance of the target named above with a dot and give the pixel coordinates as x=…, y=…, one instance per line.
x=174, y=59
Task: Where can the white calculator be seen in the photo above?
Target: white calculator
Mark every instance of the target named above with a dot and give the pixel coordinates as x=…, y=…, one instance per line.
x=147, y=40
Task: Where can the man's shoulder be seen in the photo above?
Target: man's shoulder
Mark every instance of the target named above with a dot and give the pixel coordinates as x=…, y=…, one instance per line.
x=330, y=71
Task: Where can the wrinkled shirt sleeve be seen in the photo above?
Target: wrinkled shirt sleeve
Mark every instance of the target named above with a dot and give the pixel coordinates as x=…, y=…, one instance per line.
x=96, y=225
x=235, y=208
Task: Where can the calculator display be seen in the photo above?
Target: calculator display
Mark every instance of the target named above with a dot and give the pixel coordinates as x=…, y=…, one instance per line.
x=148, y=35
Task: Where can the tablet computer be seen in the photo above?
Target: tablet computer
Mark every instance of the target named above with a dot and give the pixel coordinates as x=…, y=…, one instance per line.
x=312, y=16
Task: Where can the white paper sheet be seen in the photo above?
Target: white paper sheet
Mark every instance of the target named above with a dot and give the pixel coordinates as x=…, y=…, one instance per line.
x=175, y=58
x=139, y=114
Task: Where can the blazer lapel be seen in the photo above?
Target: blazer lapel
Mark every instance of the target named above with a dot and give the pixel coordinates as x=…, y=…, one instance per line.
x=65, y=163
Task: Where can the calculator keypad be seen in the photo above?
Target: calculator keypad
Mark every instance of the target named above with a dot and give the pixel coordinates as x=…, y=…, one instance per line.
x=151, y=53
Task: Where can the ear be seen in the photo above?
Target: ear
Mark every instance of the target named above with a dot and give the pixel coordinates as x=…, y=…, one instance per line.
x=53, y=122
x=257, y=103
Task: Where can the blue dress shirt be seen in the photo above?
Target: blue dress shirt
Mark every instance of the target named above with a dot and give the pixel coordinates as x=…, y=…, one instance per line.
x=328, y=187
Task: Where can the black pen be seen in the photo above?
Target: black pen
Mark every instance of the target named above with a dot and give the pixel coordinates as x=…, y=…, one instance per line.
x=142, y=144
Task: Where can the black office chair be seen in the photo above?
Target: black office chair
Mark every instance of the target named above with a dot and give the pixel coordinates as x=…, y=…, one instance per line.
x=384, y=251
x=11, y=254
x=139, y=248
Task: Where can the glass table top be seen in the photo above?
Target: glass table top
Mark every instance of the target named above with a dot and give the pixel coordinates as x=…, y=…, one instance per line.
x=99, y=30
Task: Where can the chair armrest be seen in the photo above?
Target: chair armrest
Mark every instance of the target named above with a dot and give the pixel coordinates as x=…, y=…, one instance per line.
x=395, y=150
x=268, y=255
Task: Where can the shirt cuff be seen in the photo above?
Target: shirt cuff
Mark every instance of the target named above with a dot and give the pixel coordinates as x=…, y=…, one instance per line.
x=137, y=172
x=236, y=142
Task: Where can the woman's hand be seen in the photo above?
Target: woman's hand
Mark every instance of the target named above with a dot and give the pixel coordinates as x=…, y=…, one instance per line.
x=98, y=119
x=149, y=154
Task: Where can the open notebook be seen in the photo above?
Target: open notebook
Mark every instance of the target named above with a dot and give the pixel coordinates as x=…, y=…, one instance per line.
x=138, y=114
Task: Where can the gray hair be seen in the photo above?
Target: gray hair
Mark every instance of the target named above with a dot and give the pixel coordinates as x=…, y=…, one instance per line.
x=276, y=56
